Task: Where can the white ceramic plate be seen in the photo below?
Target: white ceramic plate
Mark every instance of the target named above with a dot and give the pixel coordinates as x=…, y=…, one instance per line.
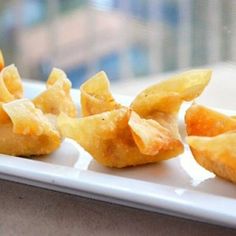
x=177, y=187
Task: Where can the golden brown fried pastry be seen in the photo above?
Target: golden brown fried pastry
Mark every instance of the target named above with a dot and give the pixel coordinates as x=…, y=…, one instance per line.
x=27, y=131
x=56, y=98
x=202, y=121
x=10, y=84
x=212, y=140
x=217, y=154
x=96, y=96
x=118, y=139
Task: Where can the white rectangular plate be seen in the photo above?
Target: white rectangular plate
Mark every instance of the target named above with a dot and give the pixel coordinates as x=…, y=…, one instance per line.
x=177, y=187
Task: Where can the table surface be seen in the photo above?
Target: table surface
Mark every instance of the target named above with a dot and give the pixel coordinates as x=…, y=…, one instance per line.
x=27, y=210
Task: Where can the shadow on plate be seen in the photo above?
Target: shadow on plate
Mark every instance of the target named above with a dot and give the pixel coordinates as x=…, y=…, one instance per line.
x=67, y=155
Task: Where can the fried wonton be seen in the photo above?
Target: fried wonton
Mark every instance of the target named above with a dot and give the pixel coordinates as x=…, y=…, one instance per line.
x=10, y=84
x=212, y=140
x=56, y=98
x=96, y=96
x=27, y=131
x=2, y=63
x=217, y=154
x=118, y=139
x=202, y=121
x=148, y=131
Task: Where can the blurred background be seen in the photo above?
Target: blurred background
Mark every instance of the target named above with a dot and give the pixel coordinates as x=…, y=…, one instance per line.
x=125, y=38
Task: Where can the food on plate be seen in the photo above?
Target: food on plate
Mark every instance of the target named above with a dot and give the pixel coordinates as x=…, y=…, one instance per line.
x=11, y=87
x=118, y=136
x=2, y=63
x=212, y=139
x=26, y=131
x=56, y=98
x=29, y=128
x=96, y=96
x=202, y=121
x=109, y=138
x=216, y=154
